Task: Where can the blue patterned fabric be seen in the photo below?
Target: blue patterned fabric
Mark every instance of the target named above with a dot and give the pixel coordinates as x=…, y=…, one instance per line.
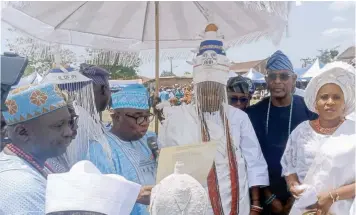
x=134, y=96
x=132, y=160
x=279, y=61
x=28, y=102
x=22, y=188
x=213, y=45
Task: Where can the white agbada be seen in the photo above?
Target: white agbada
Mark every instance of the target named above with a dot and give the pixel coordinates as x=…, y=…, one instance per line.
x=324, y=162
x=182, y=127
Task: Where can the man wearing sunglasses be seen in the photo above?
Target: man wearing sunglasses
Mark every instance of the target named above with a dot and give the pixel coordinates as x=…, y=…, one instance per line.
x=273, y=119
x=240, y=91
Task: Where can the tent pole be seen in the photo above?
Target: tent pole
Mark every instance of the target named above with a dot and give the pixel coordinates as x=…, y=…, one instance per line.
x=157, y=57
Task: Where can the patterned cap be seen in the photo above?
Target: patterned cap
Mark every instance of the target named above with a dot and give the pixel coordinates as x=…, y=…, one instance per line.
x=279, y=61
x=134, y=96
x=240, y=84
x=31, y=101
x=97, y=74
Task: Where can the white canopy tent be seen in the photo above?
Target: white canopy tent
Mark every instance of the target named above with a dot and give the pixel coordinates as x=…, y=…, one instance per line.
x=313, y=71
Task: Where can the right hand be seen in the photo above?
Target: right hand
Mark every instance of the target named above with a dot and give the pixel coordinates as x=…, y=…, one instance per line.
x=276, y=206
x=145, y=195
x=295, y=191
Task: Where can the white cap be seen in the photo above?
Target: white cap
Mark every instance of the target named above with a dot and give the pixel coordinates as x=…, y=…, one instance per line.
x=84, y=188
x=179, y=194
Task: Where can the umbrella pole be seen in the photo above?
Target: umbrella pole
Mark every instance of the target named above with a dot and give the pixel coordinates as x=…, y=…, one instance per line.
x=157, y=57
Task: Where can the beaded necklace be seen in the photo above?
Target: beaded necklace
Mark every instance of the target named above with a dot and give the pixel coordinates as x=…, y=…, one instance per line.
x=290, y=115
x=29, y=159
x=326, y=131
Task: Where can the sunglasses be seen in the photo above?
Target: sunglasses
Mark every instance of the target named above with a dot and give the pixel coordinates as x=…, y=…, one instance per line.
x=141, y=119
x=282, y=76
x=242, y=100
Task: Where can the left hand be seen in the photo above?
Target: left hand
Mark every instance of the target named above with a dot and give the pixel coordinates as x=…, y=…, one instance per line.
x=323, y=205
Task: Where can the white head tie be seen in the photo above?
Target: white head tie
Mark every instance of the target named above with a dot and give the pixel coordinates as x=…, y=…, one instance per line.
x=84, y=188
x=339, y=73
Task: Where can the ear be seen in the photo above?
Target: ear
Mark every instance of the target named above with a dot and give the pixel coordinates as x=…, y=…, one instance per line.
x=22, y=132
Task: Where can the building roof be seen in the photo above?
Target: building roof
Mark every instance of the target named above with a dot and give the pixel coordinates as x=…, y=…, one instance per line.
x=245, y=66
x=348, y=54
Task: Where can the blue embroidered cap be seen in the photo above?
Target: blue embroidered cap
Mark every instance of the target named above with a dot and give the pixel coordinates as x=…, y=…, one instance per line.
x=31, y=101
x=134, y=96
x=279, y=61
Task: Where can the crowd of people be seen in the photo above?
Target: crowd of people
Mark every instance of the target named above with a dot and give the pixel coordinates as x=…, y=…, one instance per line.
x=284, y=155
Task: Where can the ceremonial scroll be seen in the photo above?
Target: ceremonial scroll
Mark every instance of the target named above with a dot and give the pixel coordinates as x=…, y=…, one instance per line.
x=197, y=159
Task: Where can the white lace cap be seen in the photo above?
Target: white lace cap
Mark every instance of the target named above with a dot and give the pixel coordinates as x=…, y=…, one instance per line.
x=84, y=188
x=339, y=73
x=178, y=194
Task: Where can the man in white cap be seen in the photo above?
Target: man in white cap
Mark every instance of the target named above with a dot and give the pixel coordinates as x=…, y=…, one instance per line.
x=239, y=163
x=85, y=191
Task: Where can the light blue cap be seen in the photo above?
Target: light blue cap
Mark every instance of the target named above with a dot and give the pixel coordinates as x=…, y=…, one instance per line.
x=31, y=101
x=134, y=96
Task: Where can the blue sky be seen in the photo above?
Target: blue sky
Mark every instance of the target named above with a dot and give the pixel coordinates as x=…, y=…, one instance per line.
x=312, y=26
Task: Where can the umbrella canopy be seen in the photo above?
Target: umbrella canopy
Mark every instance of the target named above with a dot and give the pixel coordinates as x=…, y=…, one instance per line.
x=255, y=76
x=130, y=25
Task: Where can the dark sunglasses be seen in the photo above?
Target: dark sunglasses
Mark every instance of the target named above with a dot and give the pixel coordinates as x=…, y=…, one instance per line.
x=242, y=100
x=282, y=76
x=141, y=119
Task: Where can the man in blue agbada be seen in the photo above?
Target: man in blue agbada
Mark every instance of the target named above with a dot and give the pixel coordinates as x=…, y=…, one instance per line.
x=273, y=119
x=40, y=127
x=130, y=155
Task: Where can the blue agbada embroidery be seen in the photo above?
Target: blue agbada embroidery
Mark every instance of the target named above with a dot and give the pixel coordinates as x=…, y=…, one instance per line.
x=126, y=163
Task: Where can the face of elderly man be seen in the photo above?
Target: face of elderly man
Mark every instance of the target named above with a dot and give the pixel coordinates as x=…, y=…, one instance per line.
x=46, y=136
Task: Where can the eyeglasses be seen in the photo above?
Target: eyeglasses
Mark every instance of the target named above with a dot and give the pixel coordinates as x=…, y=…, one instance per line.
x=141, y=119
x=74, y=121
x=234, y=100
x=282, y=76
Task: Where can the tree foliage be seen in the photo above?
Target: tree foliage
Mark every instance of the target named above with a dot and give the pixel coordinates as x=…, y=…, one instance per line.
x=121, y=65
x=325, y=56
x=40, y=56
x=166, y=73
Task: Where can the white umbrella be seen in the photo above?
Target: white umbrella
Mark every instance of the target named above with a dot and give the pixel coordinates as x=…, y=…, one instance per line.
x=130, y=25
x=135, y=25
x=255, y=76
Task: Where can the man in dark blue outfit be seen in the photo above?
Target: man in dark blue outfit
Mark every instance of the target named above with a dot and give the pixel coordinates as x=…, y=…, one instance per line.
x=273, y=119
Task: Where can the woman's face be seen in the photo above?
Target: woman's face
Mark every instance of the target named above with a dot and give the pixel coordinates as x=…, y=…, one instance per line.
x=330, y=102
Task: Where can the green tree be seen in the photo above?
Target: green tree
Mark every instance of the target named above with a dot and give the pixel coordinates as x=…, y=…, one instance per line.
x=325, y=56
x=166, y=73
x=121, y=65
x=40, y=56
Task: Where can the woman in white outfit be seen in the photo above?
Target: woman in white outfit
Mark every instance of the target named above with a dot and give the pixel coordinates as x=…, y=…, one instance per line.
x=319, y=160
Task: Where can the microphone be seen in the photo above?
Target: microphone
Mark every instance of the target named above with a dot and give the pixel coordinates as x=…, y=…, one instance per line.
x=152, y=144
